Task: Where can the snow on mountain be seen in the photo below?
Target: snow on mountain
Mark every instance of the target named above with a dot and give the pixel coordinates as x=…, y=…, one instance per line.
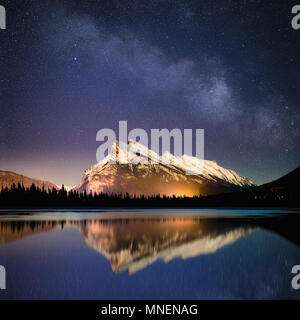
x=127, y=169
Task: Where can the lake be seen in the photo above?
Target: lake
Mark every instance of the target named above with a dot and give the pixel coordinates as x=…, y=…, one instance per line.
x=149, y=253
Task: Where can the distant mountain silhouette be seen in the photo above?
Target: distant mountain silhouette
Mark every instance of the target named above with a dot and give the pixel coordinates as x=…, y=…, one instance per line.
x=281, y=192
x=8, y=178
x=289, y=181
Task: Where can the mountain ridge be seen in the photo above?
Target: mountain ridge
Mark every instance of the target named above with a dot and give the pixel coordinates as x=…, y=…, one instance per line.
x=8, y=178
x=122, y=171
x=289, y=180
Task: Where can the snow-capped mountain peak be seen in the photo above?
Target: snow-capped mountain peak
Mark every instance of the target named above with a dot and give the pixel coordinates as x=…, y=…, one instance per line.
x=135, y=169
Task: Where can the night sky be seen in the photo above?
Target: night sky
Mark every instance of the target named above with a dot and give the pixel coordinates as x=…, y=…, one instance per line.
x=69, y=68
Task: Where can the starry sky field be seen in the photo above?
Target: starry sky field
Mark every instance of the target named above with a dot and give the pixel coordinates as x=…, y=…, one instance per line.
x=71, y=67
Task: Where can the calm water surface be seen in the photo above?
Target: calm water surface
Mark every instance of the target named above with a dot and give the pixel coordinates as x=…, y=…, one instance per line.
x=150, y=254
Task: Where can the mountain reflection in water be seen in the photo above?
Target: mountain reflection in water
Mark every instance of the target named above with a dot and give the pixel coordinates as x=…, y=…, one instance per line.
x=133, y=243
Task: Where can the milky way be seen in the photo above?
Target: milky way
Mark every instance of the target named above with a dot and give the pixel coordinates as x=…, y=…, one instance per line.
x=70, y=68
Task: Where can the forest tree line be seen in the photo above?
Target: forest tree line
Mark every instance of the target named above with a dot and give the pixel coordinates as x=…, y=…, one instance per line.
x=19, y=196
